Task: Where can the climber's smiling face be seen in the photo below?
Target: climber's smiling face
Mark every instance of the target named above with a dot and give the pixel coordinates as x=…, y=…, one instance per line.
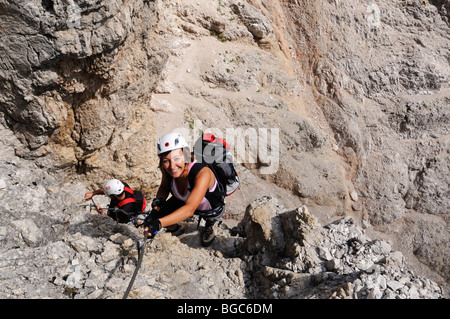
x=173, y=163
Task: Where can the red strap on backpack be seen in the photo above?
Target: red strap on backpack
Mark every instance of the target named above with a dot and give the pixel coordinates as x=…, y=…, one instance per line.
x=129, y=190
x=126, y=201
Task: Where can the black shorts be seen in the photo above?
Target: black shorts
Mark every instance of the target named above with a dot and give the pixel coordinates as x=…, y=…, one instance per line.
x=173, y=203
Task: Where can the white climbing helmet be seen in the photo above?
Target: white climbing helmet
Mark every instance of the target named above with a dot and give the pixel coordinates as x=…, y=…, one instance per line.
x=171, y=141
x=113, y=187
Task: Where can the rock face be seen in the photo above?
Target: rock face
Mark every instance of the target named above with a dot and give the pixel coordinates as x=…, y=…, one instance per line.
x=337, y=106
x=68, y=94
x=302, y=259
x=273, y=253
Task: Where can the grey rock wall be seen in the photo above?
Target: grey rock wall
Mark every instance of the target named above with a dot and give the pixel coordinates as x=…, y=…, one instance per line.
x=358, y=90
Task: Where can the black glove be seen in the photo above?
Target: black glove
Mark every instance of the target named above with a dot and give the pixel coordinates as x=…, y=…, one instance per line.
x=158, y=202
x=153, y=225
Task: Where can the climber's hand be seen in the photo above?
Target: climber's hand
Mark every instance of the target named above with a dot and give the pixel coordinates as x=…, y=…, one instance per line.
x=152, y=225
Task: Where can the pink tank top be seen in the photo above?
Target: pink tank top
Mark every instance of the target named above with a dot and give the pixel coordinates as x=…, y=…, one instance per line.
x=183, y=195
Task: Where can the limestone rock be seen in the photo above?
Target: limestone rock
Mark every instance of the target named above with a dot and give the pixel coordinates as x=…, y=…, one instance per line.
x=355, y=98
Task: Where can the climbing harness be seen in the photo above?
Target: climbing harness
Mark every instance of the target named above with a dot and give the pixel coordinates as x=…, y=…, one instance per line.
x=136, y=218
